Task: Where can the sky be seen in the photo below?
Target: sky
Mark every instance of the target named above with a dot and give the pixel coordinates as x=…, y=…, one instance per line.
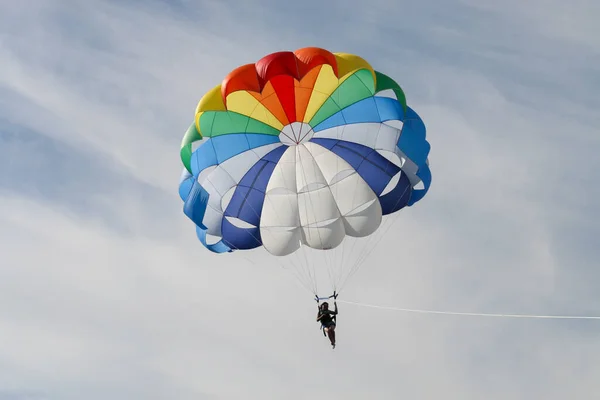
x=106, y=293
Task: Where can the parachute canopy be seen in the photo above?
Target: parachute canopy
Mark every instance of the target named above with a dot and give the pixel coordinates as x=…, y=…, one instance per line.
x=301, y=148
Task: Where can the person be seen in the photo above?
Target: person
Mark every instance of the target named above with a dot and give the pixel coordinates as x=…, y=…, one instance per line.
x=327, y=319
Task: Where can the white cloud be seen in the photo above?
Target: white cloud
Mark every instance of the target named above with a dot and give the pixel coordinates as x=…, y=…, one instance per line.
x=91, y=310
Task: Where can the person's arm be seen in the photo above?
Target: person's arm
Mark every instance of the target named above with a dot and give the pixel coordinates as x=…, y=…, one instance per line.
x=335, y=312
x=319, y=316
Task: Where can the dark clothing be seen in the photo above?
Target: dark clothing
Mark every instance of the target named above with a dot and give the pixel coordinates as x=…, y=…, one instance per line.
x=326, y=317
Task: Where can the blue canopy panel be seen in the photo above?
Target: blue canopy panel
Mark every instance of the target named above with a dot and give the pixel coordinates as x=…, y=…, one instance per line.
x=247, y=202
x=372, y=109
x=185, y=184
x=412, y=141
x=414, y=144
x=195, y=208
x=196, y=198
x=220, y=148
x=375, y=169
x=398, y=197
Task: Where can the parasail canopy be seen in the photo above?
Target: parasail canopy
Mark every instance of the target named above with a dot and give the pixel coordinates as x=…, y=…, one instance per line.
x=302, y=150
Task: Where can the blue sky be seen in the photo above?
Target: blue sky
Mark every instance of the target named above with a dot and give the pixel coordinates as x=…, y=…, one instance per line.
x=106, y=293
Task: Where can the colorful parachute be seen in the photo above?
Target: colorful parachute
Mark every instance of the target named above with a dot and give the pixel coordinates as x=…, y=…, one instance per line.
x=302, y=149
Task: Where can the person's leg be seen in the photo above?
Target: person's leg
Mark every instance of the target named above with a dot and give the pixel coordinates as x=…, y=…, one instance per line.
x=331, y=334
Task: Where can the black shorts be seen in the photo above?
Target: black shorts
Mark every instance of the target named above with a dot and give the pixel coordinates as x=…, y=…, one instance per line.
x=329, y=324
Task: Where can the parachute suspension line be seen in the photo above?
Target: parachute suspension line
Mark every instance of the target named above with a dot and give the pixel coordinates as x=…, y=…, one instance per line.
x=359, y=244
x=356, y=253
x=332, y=266
x=305, y=270
x=298, y=155
x=302, y=281
x=332, y=262
x=326, y=254
x=307, y=284
x=307, y=264
x=331, y=271
x=297, y=271
x=472, y=314
x=371, y=245
x=338, y=263
x=310, y=271
x=343, y=262
x=342, y=271
x=358, y=247
x=390, y=222
x=363, y=251
x=338, y=267
x=382, y=233
x=358, y=250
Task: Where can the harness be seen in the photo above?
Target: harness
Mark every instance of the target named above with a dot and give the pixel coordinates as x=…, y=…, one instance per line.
x=334, y=317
